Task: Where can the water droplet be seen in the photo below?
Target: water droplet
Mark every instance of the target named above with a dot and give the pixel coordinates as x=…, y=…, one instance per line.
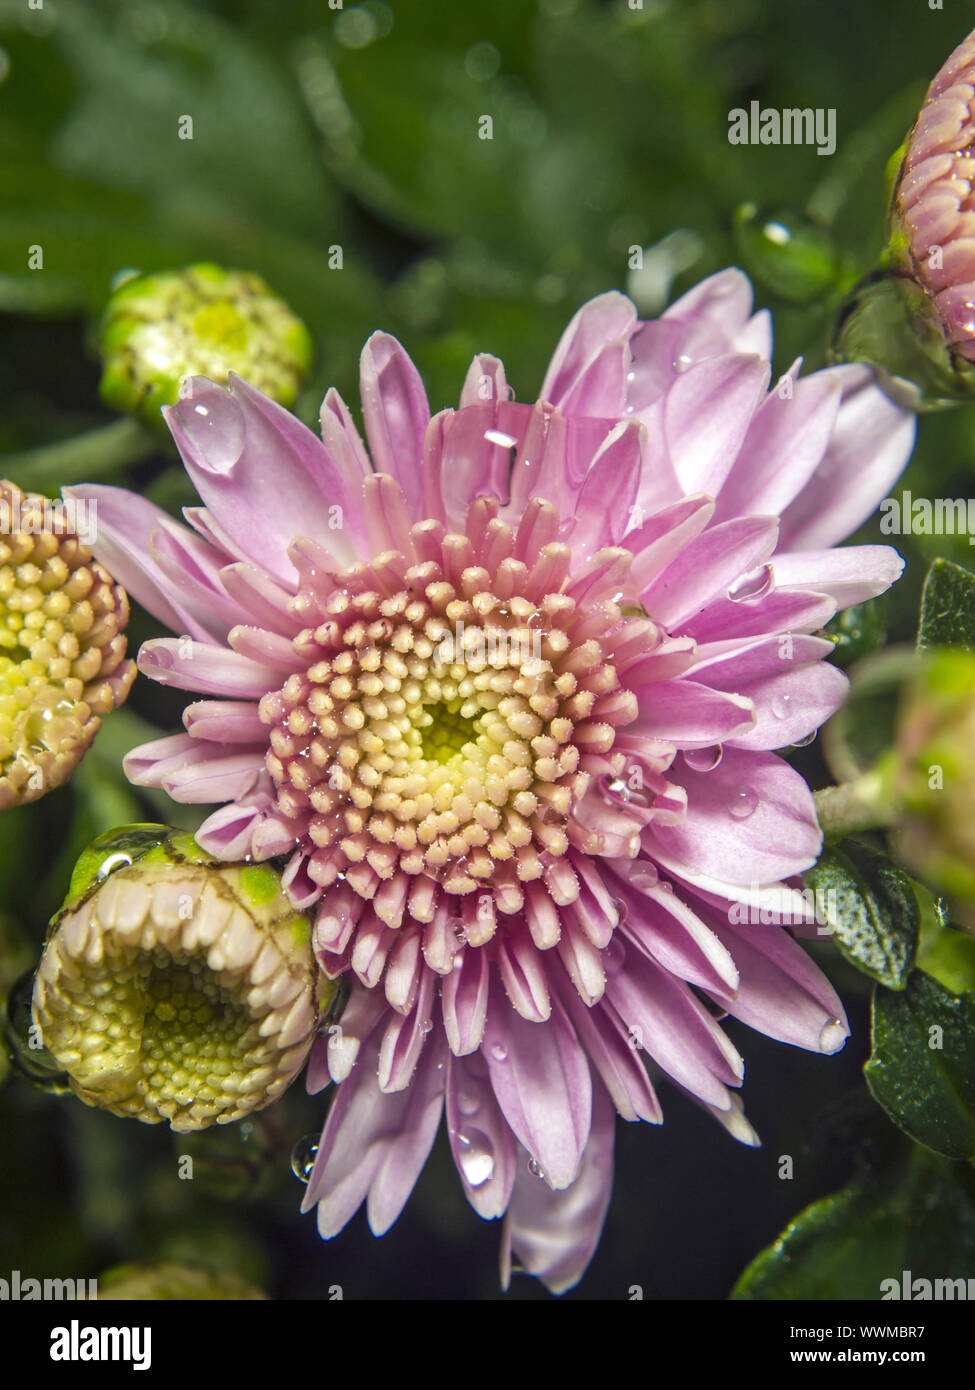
x=754, y=585
x=703, y=759
x=805, y=742
x=499, y=1052
x=833, y=1036
x=426, y=1026
x=743, y=804
x=303, y=1157
x=534, y=1169
x=644, y=877
x=666, y=886
x=467, y=1103
x=782, y=706
x=476, y=1157
x=215, y=429
x=613, y=956
x=682, y=361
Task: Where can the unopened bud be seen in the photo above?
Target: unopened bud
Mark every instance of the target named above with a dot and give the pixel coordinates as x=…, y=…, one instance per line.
x=196, y=1017
x=200, y=321
x=915, y=321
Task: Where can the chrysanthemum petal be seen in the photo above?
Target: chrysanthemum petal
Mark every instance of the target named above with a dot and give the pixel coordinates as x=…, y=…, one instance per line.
x=396, y=412
x=554, y=1234
x=481, y=1141
x=868, y=451
x=541, y=1079
x=751, y=819
x=263, y=475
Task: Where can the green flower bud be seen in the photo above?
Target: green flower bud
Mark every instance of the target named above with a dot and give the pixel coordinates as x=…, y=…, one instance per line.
x=889, y=322
x=200, y=321
x=931, y=773
x=176, y=987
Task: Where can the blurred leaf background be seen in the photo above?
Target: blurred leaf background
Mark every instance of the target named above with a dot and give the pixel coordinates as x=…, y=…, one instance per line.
x=358, y=128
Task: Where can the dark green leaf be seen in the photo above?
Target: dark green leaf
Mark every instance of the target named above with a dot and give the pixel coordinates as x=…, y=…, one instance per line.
x=918, y=1217
x=872, y=909
x=922, y=1067
x=947, y=607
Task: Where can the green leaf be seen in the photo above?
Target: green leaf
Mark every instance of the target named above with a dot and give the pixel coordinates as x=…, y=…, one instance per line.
x=871, y=906
x=919, y=1216
x=922, y=1067
x=947, y=607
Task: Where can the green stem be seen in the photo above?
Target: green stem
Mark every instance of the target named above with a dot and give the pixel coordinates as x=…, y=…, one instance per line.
x=81, y=459
x=862, y=804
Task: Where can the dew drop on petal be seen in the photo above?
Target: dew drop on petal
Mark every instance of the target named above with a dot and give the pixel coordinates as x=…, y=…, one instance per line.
x=499, y=1052
x=781, y=706
x=535, y=1169
x=805, y=742
x=703, y=759
x=754, y=585
x=426, y=1026
x=833, y=1036
x=613, y=956
x=467, y=1104
x=216, y=430
x=644, y=877
x=476, y=1157
x=743, y=804
x=683, y=361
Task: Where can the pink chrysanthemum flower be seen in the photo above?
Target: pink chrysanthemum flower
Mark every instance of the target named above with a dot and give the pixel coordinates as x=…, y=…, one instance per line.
x=507, y=696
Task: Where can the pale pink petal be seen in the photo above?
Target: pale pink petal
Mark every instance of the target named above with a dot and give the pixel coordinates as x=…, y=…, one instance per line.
x=541, y=1079
x=481, y=1141
x=749, y=820
x=396, y=412
x=555, y=1234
